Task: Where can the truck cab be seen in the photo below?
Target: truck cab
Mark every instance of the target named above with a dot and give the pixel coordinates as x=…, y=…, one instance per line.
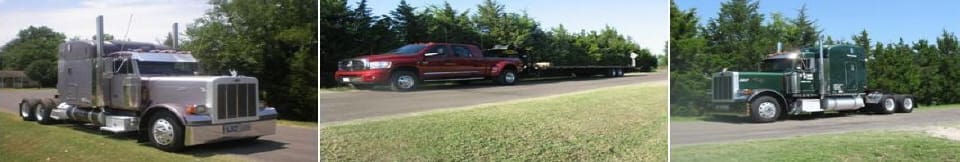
x=808, y=81
x=406, y=67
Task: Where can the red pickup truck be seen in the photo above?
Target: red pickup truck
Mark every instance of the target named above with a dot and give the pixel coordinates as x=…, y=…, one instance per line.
x=407, y=67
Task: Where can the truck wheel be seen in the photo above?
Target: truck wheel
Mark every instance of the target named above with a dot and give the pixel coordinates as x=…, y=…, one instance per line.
x=42, y=111
x=403, y=81
x=611, y=73
x=764, y=109
x=507, y=77
x=165, y=132
x=619, y=72
x=886, y=106
x=906, y=105
x=27, y=109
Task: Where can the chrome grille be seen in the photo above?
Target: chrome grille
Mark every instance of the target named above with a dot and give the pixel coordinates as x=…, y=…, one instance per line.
x=350, y=65
x=236, y=100
x=722, y=87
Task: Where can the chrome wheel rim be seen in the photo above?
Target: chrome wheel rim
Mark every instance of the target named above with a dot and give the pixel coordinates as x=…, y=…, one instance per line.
x=38, y=112
x=907, y=103
x=767, y=110
x=163, y=132
x=888, y=104
x=405, y=81
x=509, y=77
x=24, y=110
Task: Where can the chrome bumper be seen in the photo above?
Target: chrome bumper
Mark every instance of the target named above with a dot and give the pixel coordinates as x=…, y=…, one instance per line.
x=210, y=133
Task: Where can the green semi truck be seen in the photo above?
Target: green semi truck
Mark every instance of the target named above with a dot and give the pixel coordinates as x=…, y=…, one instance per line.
x=831, y=78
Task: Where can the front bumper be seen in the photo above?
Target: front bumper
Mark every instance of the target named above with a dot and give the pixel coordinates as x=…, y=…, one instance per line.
x=729, y=108
x=373, y=76
x=201, y=132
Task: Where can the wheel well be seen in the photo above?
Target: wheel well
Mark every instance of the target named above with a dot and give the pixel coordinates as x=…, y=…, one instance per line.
x=144, y=119
x=511, y=67
x=780, y=99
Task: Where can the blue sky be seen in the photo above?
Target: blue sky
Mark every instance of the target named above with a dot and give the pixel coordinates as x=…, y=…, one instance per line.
x=646, y=21
x=885, y=21
x=152, y=19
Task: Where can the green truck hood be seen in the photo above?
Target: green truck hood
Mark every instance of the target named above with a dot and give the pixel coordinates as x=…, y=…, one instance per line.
x=761, y=80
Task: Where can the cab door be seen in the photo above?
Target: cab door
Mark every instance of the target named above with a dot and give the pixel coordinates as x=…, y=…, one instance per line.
x=437, y=63
x=125, y=85
x=470, y=63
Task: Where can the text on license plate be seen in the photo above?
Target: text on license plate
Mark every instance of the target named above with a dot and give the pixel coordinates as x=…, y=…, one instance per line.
x=239, y=127
x=346, y=79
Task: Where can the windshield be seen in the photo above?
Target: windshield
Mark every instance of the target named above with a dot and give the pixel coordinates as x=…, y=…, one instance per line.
x=777, y=65
x=167, y=68
x=408, y=49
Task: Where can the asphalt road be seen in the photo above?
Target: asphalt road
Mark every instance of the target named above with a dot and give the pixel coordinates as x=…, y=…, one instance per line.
x=288, y=144
x=344, y=106
x=721, y=129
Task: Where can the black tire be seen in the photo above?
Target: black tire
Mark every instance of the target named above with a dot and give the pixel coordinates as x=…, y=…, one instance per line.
x=619, y=72
x=27, y=109
x=507, y=77
x=611, y=73
x=906, y=105
x=404, y=81
x=42, y=111
x=763, y=104
x=887, y=105
x=167, y=143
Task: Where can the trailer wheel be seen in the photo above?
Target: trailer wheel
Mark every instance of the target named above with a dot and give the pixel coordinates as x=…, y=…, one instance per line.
x=611, y=73
x=165, y=132
x=906, y=105
x=507, y=77
x=886, y=106
x=404, y=81
x=764, y=109
x=27, y=109
x=42, y=111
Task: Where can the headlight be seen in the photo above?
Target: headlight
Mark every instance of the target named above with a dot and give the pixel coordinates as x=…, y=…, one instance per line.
x=378, y=65
x=197, y=109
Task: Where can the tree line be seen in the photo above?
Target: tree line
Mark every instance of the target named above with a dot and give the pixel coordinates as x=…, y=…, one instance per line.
x=274, y=41
x=740, y=37
x=348, y=32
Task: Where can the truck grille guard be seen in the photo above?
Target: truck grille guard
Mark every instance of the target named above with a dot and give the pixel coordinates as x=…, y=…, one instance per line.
x=351, y=65
x=723, y=87
x=236, y=100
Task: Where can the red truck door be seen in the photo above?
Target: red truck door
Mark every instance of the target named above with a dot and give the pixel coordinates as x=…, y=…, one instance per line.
x=470, y=61
x=437, y=63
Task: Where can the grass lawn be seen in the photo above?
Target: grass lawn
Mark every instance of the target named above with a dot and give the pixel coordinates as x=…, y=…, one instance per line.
x=29, y=141
x=626, y=123
x=857, y=146
x=292, y=123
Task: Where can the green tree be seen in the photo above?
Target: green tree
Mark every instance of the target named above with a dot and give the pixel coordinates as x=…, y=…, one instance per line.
x=410, y=26
x=806, y=32
x=34, y=50
x=274, y=41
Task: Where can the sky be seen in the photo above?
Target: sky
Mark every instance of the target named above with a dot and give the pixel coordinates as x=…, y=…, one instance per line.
x=885, y=21
x=152, y=19
x=647, y=22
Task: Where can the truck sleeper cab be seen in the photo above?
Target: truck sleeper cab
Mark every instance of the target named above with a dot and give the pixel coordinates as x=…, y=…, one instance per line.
x=809, y=81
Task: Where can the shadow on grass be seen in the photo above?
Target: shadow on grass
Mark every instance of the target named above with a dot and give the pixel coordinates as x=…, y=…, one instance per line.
x=236, y=147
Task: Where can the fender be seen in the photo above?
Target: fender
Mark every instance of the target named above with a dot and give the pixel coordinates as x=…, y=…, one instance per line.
x=500, y=65
x=169, y=107
x=777, y=95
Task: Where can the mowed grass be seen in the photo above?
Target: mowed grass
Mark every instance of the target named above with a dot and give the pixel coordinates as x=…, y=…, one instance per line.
x=29, y=141
x=626, y=123
x=857, y=146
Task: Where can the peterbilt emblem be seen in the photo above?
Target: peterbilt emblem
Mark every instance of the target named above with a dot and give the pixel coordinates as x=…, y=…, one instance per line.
x=745, y=80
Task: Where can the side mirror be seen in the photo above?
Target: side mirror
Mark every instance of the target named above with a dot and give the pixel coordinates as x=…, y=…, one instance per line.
x=430, y=54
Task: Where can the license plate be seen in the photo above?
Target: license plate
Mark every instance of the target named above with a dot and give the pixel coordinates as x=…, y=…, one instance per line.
x=346, y=79
x=239, y=127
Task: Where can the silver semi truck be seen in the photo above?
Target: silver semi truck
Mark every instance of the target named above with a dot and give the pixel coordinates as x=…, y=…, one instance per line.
x=152, y=90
